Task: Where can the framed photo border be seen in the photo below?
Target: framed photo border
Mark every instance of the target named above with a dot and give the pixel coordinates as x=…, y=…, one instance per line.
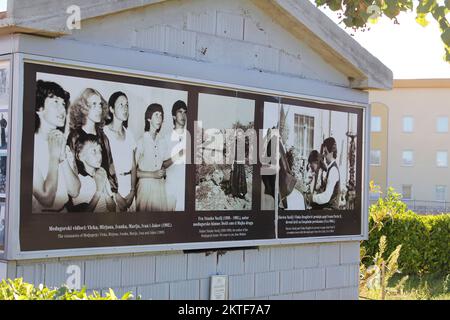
x=12, y=242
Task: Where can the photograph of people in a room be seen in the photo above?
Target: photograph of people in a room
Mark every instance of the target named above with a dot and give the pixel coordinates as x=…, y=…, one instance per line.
x=317, y=151
x=225, y=177
x=103, y=146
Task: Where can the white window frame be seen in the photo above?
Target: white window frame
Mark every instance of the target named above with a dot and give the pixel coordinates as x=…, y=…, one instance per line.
x=437, y=124
x=372, y=127
x=403, y=124
x=436, y=193
x=379, y=157
x=437, y=161
x=412, y=162
x=411, y=195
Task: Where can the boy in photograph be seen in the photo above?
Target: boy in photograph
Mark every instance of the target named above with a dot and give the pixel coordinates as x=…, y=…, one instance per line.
x=175, y=165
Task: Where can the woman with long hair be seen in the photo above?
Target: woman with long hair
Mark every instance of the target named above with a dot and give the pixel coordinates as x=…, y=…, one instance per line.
x=87, y=117
x=54, y=179
x=150, y=155
x=123, y=146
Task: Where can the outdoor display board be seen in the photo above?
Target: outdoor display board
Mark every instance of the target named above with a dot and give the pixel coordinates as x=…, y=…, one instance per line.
x=112, y=160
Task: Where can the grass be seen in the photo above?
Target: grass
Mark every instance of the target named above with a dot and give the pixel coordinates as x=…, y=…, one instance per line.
x=427, y=287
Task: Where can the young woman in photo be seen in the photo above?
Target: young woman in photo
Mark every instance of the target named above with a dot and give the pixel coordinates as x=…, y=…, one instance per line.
x=268, y=173
x=315, y=170
x=87, y=116
x=95, y=192
x=150, y=155
x=123, y=146
x=54, y=179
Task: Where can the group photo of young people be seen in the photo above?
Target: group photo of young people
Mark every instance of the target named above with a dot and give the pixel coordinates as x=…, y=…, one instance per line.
x=103, y=146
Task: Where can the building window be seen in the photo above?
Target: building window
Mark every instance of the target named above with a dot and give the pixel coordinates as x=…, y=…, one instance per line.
x=375, y=124
x=304, y=134
x=408, y=124
x=442, y=159
x=442, y=125
x=407, y=191
x=375, y=157
x=441, y=193
x=407, y=158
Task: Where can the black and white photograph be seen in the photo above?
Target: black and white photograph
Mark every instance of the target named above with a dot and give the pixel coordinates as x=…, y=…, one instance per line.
x=317, y=158
x=103, y=146
x=224, y=180
x=4, y=137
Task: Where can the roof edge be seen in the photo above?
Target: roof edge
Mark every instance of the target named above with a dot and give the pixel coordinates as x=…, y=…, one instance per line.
x=337, y=47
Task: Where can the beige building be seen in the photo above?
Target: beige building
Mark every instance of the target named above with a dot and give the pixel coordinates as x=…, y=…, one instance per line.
x=410, y=142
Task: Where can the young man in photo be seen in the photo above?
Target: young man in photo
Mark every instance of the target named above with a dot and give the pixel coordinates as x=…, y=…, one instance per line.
x=176, y=164
x=329, y=198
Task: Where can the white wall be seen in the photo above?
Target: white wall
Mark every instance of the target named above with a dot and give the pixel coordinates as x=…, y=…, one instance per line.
x=300, y=272
x=232, y=32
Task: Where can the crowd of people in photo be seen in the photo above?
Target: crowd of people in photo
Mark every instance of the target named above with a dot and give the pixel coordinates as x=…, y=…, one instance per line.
x=87, y=160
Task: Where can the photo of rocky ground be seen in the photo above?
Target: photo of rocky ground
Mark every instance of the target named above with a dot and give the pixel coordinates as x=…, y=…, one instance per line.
x=213, y=190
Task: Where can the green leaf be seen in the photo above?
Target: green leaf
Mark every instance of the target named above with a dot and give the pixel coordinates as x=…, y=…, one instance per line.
x=422, y=20
x=335, y=5
x=446, y=37
x=426, y=6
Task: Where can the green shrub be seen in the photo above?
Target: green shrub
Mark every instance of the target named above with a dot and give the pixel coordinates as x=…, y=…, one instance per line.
x=425, y=240
x=17, y=289
x=438, y=254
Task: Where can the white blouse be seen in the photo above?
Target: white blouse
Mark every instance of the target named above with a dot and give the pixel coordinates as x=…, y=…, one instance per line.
x=150, y=154
x=122, y=153
x=40, y=167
